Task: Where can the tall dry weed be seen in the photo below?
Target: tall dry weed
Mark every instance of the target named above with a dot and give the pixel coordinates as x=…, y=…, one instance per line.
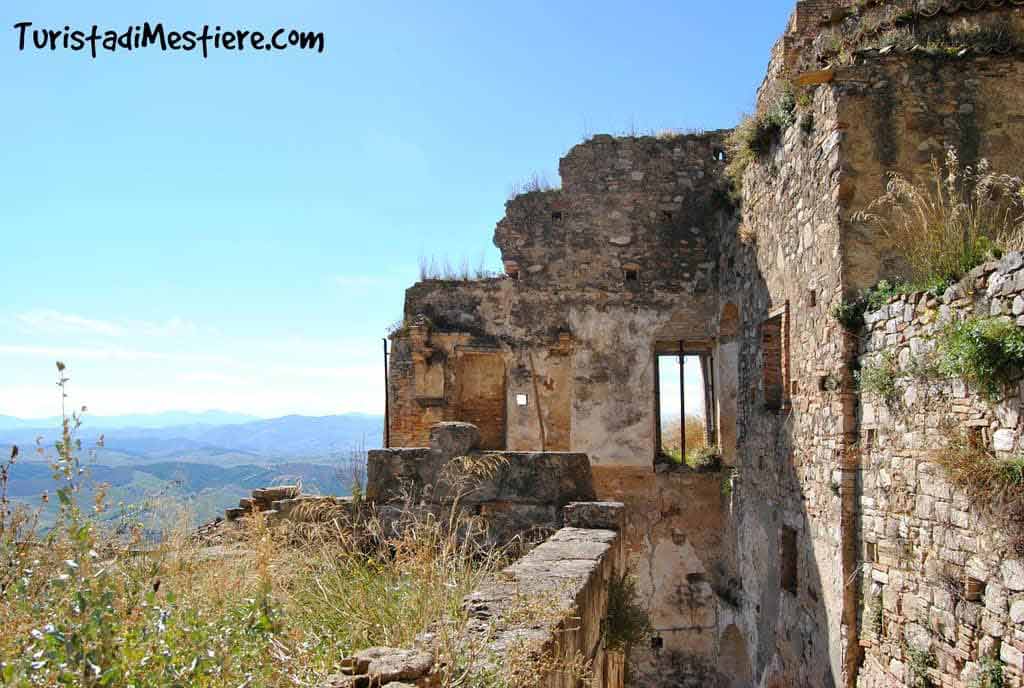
x=954, y=222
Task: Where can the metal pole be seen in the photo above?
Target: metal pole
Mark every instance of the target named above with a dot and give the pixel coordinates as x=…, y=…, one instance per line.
x=387, y=400
x=682, y=401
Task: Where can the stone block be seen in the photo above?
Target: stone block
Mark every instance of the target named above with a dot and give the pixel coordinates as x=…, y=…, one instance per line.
x=595, y=515
x=454, y=439
x=269, y=495
x=1013, y=574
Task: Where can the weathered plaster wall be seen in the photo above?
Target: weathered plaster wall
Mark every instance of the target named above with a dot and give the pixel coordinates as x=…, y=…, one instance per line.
x=673, y=538
x=923, y=537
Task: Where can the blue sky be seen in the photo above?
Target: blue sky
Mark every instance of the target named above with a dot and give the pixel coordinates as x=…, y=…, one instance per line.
x=237, y=232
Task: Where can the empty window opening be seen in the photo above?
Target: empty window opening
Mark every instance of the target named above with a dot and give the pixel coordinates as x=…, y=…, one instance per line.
x=812, y=298
x=514, y=273
x=974, y=590
x=871, y=552
x=657, y=642
x=794, y=388
x=720, y=155
x=632, y=274
x=871, y=439
x=685, y=403
x=788, y=561
x=773, y=372
x=522, y=400
x=556, y=216
x=666, y=215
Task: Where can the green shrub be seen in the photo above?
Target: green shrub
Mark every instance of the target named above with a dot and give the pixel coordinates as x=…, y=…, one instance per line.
x=991, y=674
x=754, y=136
x=706, y=459
x=987, y=352
x=919, y=662
x=881, y=379
x=626, y=625
x=850, y=314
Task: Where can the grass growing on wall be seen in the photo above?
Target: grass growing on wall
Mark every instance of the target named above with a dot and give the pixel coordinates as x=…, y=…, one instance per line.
x=754, y=136
x=994, y=484
x=957, y=219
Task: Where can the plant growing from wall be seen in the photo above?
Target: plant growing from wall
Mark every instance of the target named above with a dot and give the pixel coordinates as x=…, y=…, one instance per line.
x=987, y=352
x=990, y=674
x=995, y=485
x=754, y=136
x=850, y=314
x=959, y=219
x=880, y=379
x=626, y=625
x=919, y=662
x=704, y=459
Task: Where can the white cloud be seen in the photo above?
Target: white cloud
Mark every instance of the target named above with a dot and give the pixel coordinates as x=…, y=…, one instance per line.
x=53, y=322
x=71, y=354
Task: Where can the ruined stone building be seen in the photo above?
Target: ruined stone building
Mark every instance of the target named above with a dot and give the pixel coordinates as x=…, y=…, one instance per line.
x=758, y=574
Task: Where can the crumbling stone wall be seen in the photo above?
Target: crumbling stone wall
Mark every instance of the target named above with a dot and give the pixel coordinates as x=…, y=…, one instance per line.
x=575, y=330
x=788, y=266
x=518, y=494
x=641, y=246
x=578, y=335
x=940, y=576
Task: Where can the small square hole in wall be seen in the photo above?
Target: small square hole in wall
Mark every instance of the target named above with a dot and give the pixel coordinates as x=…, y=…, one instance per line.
x=556, y=216
x=522, y=400
x=632, y=275
x=657, y=642
x=794, y=388
x=871, y=552
x=812, y=298
x=666, y=215
x=974, y=589
x=513, y=274
x=871, y=439
x=978, y=436
x=719, y=155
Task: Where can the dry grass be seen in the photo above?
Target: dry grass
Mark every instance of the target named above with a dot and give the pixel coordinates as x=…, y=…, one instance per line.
x=995, y=485
x=954, y=222
x=536, y=183
x=434, y=268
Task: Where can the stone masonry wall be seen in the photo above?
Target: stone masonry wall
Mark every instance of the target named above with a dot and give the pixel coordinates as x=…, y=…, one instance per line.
x=929, y=552
x=785, y=267
x=517, y=494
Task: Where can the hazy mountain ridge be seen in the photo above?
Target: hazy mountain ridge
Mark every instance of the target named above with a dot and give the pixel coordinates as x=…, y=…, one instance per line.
x=204, y=467
x=260, y=441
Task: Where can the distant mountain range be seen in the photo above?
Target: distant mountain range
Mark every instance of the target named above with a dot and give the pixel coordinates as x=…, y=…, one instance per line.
x=166, y=419
x=254, y=441
x=205, y=466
